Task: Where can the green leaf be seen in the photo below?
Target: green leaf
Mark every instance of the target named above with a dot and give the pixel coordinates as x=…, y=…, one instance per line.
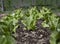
x=44, y=24
x=6, y=40
x=53, y=37
x=14, y=30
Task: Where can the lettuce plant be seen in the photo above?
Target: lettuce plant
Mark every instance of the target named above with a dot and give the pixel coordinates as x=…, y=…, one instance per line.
x=53, y=22
x=8, y=25
x=30, y=18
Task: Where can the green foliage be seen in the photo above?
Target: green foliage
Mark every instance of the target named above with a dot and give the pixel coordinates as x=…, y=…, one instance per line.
x=6, y=39
x=8, y=25
x=30, y=18
x=52, y=21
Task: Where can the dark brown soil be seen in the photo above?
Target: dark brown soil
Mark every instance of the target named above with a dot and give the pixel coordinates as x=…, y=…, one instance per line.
x=39, y=36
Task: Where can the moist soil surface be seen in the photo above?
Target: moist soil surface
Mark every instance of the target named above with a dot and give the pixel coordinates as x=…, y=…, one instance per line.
x=39, y=36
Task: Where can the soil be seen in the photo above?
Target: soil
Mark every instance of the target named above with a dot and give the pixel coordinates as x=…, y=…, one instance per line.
x=39, y=36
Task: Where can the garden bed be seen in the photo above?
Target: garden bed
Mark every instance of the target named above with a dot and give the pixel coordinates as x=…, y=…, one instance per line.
x=39, y=36
x=32, y=26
